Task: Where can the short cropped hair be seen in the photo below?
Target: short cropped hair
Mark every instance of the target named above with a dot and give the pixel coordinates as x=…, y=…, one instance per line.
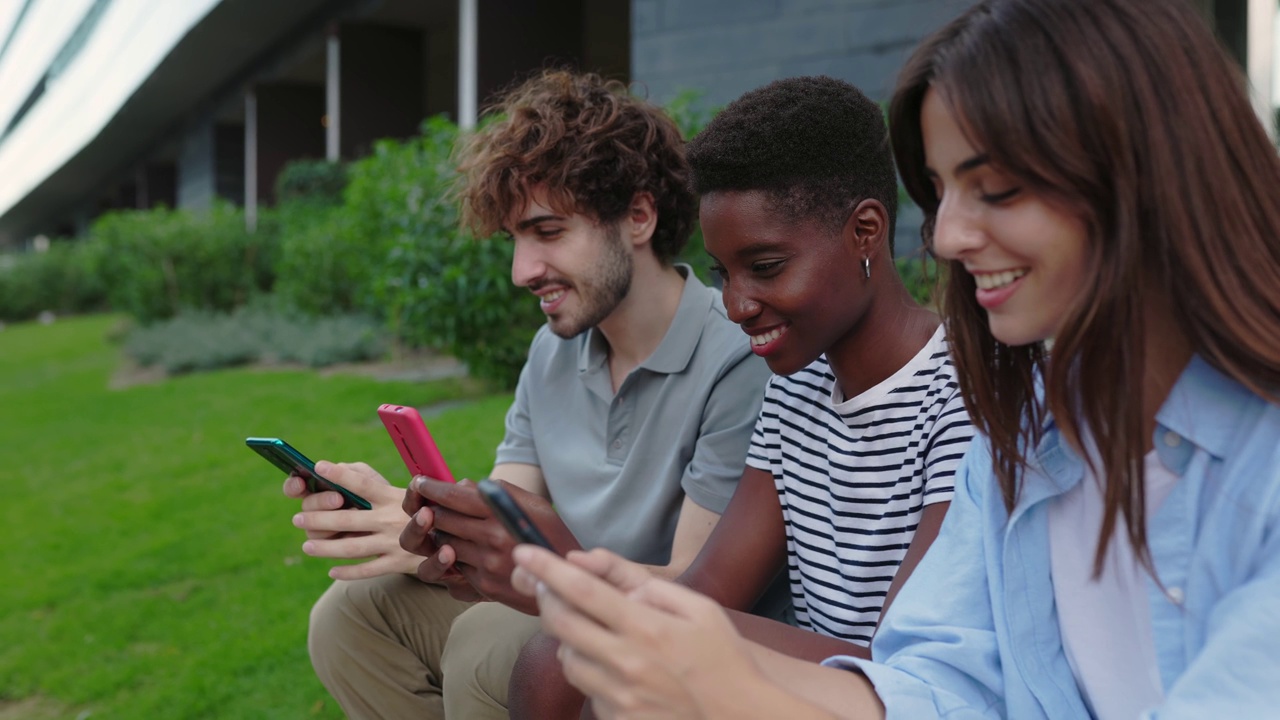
x=817, y=145
x=593, y=146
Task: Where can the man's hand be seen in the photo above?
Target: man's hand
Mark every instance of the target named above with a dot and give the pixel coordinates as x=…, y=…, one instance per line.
x=333, y=532
x=471, y=540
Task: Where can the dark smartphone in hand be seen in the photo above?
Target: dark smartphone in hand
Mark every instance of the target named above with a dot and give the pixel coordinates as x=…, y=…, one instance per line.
x=288, y=459
x=504, y=507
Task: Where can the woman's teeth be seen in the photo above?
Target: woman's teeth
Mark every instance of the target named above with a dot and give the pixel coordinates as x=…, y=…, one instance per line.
x=766, y=338
x=991, y=281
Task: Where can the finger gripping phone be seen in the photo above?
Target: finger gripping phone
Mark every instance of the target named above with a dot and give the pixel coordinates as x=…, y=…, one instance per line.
x=417, y=449
x=287, y=458
x=504, y=507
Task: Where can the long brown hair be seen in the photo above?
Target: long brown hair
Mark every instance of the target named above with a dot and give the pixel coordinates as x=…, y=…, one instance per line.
x=1130, y=114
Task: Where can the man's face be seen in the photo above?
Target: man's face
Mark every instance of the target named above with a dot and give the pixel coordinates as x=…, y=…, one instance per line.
x=580, y=271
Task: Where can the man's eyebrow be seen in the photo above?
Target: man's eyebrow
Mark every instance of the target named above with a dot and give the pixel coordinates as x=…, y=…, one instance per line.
x=526, y=224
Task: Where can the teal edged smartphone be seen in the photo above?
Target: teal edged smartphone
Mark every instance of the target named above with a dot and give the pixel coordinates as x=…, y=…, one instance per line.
x=289, y=460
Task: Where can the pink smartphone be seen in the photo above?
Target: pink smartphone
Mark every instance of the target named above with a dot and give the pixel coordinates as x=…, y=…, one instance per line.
x=414, y=442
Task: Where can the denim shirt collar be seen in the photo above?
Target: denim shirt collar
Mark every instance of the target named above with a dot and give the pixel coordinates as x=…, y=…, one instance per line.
x=1202, y=410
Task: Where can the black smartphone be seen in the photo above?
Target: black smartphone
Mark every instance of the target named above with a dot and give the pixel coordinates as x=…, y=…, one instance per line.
x=504, y=507
x=288, y=459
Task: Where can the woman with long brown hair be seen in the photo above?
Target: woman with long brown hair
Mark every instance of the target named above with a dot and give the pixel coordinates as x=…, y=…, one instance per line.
x=1108, y=207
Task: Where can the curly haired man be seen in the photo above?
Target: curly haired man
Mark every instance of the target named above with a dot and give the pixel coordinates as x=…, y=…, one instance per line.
x=632, y=416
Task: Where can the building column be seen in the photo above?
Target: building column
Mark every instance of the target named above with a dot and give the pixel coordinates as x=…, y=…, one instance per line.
x=333, y=97
x=1263, y=23
x=250, y=161
x=468, y=63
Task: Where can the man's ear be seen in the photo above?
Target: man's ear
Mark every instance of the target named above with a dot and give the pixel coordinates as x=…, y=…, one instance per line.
x=642, y=219
x=867, y=229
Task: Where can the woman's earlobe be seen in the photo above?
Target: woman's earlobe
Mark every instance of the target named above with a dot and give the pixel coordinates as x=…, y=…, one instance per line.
x=866, y=228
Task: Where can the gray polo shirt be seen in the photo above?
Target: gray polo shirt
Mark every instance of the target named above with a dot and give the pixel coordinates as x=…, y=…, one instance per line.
x=618, y=466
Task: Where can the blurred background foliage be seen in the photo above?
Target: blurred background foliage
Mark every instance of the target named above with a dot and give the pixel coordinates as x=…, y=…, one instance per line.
x=355, y=259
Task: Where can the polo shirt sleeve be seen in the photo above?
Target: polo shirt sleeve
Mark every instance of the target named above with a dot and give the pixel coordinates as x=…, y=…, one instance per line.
x=517, y=444
x=936, y=652
x=725, y=433
x=948, y=441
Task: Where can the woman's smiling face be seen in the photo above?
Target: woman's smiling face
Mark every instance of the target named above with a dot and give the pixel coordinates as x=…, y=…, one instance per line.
x=793, y=286
x=1026, y=255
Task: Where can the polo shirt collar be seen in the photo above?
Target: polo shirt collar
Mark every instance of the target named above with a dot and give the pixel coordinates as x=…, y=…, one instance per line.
x=677, y=346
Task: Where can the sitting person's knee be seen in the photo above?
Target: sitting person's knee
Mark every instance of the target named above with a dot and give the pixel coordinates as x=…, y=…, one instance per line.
x=538, y=688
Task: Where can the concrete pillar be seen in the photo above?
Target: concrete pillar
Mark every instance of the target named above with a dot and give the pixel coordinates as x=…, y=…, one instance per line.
x=468, y=62
x=195, y=166
x=250, y=161
x=333, y=97
x=1261, y=60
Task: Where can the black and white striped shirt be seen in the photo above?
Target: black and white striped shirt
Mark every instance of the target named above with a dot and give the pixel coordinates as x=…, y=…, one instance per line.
x=853, y=477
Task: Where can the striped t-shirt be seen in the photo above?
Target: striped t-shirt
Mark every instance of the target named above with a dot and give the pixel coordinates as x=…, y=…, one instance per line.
x=853, y=478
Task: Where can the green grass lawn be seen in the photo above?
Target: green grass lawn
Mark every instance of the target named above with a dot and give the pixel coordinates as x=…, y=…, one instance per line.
x=150, y=569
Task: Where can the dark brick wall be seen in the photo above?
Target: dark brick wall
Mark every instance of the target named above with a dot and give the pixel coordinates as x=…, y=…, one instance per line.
x=726, y=47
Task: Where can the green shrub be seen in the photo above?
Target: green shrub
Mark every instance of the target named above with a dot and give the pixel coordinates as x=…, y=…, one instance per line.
x=921, y=276
x=318, y=181
x=325, y=266
x=439, y=288
x=202, y=340
x=66, y=279
x=159, y=262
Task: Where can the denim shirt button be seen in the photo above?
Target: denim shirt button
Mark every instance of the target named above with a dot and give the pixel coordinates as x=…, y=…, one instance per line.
x=1175, y=595
x=1172, y=439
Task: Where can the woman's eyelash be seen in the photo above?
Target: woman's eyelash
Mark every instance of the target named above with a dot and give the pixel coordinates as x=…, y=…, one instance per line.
x=1000, y=196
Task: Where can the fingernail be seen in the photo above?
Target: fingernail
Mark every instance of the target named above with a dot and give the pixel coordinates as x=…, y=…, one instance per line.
x=308, y=547
x=520, y=553
x=420, y=518
x=297, y=520
x=417, y=481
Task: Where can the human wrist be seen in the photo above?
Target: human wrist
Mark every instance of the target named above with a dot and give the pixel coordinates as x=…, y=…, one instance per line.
x=753, y=696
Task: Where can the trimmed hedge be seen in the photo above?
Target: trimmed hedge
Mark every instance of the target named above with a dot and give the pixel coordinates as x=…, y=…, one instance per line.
x=66, y=279
x=158, y=262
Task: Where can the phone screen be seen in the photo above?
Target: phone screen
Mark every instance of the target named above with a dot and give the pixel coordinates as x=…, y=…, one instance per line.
x=510, y=514
x=290, y=461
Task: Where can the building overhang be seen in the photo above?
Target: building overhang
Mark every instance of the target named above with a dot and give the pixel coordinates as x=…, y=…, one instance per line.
x=210, y=60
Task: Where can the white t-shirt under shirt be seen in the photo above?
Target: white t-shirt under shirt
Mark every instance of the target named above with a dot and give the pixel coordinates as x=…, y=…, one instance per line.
x=1106, y=622
x=853, y=477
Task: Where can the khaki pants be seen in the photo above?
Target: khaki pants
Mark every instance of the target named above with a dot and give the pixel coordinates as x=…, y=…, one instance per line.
x=393, y=647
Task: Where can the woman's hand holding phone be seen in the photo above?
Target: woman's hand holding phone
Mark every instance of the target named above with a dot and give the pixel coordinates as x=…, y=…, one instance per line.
x=333, y=532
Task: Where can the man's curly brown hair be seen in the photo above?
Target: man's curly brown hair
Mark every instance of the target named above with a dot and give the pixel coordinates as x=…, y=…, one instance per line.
x=593, y=146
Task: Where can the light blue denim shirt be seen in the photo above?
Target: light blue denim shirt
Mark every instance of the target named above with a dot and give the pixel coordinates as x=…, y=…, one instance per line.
x=974, y=632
